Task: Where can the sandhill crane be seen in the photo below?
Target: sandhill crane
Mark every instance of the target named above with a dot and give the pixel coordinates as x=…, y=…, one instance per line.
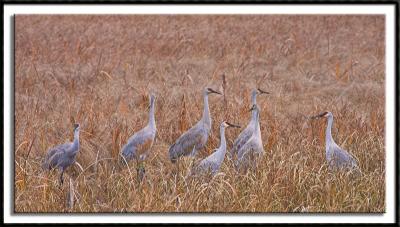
x=245, y=135
x=214, y=161
x=335, y=156
x=253, y=147
x=190, y=142
x=139, y=145
x=62, y=156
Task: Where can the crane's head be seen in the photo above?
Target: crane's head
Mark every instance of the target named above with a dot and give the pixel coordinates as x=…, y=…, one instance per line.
x=324, y=115
x=226, y=124
x=210, y=90
x=76, y=127
x=256, y=92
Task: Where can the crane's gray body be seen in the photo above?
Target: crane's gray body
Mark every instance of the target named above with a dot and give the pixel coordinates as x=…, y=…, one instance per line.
x=62, y=156
x=189, y=143
x=195, y=139
x=253, y=148
x=139, y=145
x=336, y=156
x=214, y=161
x=246, y=134
x=141, y=140
x=243, y=137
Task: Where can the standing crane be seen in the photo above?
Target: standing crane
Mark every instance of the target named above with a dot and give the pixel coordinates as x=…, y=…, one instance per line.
x=335, y=156
x=214, y=161
x=190, y=142
x=62, y=156
x=140, y=144
x=253, y=148
x=245, y=135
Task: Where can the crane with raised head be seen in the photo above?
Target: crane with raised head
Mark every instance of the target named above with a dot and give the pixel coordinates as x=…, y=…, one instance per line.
x=245, y=135
x=253, y=148
x=140, y=143
x=335, y=155
x=190, y=142
x=62, y=156
x=214, y=161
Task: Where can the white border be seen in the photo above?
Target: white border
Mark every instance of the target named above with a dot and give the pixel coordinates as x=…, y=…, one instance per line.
x=387, y=10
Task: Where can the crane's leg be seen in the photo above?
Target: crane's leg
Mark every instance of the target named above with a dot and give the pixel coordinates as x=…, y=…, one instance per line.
x=62, y=177
x=137, y=170
x=177, y=166
x=142, y=170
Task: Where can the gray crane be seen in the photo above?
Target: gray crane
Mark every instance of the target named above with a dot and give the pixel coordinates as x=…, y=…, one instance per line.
x=140, y=144
x=190, y=142
x=253, y=148
x=62, y=156
x=245, y=135
x=214, y=161
x=335, y=156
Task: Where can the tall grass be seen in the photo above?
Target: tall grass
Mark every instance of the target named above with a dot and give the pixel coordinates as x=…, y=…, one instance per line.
x=98, y=71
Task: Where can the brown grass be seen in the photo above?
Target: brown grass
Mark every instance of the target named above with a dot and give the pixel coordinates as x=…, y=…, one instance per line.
x=98, y=71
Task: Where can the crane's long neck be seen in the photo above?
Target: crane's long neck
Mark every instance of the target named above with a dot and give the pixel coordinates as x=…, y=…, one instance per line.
x=75, y=143
x=222, y=146
x=152, y=120
x=253, y=102
x=223, y=140
x=256, y=117
x=254, y=98
x=253, y=120
x=206, y=112
x=329, y=130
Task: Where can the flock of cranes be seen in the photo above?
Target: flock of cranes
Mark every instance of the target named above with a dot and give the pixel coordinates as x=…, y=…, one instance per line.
x=246, y=150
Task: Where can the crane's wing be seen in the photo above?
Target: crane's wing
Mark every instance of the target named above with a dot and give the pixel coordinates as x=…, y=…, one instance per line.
x=207, y=165
x=243, y=137
x=138, y=144
x=342, y=158
x=211, y=157
x=249, y=152
x=194, y=138
x=54, y=155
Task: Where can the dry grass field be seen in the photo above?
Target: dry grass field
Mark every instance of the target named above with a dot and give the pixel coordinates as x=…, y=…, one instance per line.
x=99, y=70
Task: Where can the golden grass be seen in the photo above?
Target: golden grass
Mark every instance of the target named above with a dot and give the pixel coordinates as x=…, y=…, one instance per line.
x=98, y=71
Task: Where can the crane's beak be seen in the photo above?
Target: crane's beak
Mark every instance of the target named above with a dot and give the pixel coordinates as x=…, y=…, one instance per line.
x=232, y=125
x=262, y=91
x=318, y=116
x=214, y=91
